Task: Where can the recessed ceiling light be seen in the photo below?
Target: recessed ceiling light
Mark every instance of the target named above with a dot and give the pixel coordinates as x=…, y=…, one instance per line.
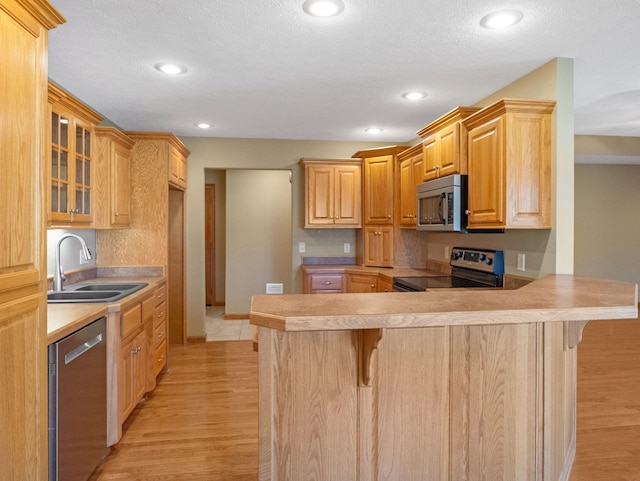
x=414, y=95
x=373, y=130
x=171, y=68
x=323, y=8
x=203, y=125
x=501, y=19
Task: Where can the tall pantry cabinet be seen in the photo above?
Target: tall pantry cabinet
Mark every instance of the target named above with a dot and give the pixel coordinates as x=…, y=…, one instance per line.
x=24, y=29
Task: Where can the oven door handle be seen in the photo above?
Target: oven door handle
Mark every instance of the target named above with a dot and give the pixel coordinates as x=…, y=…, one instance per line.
x=443, y=196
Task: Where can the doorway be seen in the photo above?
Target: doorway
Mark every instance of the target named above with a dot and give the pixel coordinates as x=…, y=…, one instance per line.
x=210, y=243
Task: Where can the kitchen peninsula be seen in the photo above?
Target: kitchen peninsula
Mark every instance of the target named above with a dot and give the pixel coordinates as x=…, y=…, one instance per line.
x=443, y=385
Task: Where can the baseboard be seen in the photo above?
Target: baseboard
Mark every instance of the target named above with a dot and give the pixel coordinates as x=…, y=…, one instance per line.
x=196, y=339
x=236, y=316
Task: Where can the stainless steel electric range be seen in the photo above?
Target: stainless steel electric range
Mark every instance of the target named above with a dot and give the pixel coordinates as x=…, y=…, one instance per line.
x=476, y=268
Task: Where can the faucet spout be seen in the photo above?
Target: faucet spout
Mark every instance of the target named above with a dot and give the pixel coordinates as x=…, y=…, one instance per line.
x=58, y=274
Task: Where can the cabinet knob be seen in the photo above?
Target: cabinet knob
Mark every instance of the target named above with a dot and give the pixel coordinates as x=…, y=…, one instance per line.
x=388, y=216
x=160, y=335
x=116, y=214
x=161, y=358
x=467, y=212
x=161, y=314
x=373, y=285
x=327, y=283
x=181, y=178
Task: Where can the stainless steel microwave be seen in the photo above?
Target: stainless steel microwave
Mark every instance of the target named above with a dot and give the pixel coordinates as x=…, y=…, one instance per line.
x=442, y=204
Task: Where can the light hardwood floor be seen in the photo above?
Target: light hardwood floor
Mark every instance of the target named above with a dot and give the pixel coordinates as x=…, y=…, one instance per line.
x=201, y=421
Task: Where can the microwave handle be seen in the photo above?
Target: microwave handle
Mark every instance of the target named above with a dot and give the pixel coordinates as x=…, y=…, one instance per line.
x=443, y=195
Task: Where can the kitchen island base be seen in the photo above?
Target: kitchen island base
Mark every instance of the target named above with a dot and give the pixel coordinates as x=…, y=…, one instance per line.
x=444, y=403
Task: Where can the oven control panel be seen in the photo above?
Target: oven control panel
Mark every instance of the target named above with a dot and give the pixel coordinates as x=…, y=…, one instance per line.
x=483, y=260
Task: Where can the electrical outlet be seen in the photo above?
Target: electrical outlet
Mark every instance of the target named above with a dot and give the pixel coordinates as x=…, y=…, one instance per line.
x=274, y=288
x=447, y=252
x=347, y=247
x=521, y=262
x=302, y=247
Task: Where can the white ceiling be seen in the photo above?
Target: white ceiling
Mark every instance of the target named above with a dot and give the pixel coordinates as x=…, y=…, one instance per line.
x=265, y=69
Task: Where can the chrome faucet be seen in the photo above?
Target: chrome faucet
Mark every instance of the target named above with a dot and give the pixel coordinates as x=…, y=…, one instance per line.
x=58, y=274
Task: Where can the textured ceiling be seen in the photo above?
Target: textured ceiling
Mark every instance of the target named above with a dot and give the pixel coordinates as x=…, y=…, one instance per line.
x=264, y=69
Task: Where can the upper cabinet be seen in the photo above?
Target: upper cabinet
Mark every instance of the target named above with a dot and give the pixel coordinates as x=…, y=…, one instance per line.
x=332, y=192
x=178, y=167
x=411, y=171
x=71, y=160
x=509, y=165
x=445, y=144
x=112, y=194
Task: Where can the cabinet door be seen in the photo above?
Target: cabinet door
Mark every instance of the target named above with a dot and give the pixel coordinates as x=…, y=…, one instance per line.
x=486, y=175
x=378, y=183
x=121, y=187
x=60, y=210
x=178, y=169
x=384, y=285
x=125, y=379
x=449, y=150
x=378, y=246
x=23, y=269
x=430, y=155
x=386, y=246
x=407, y=194
x=319, y=190
x=362, y=283
x=347, y=195
x=81, y=205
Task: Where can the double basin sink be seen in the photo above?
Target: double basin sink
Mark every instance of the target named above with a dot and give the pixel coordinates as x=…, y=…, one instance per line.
x=102, y=292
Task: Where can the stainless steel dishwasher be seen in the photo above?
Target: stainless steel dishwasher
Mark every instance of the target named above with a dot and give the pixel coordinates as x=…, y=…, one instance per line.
x=78, y=403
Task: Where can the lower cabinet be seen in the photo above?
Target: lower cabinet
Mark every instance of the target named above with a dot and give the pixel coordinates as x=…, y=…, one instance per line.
x=362, y=283
x=136, y=353
x=385, y=284
x=322, y=283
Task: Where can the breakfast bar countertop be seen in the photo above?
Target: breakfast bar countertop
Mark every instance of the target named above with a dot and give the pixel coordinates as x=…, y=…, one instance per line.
x=552, y=298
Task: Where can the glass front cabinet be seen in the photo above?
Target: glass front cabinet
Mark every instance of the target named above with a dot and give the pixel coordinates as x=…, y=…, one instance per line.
x=72, y=154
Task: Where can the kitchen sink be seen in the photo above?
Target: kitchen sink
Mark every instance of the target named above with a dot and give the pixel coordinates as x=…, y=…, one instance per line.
x=104, y=292
x=109, y=287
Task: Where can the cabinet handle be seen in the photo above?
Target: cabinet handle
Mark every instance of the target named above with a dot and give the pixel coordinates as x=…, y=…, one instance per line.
x=161, y=314
x=467, y=212
x=327, y=283
x=161, y=358
x=181, y=178
x=160, y=335
x=136, y=350
x=160, y=296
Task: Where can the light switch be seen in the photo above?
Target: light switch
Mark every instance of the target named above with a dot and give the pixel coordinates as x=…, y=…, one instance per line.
x=347, y=247
x=521, y=262
x=302, y=248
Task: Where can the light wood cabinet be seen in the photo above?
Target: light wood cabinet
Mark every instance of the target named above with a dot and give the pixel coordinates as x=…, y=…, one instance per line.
x=384, y=284
x=24, y=158
x=112, y=194
x=72, y=156
x=158, y=223
x=381, y=206
x=445, y=144
x=333, y=193
x=134, y=352
x=323, y=283
x=160, y=332
x=411, y=170
x=378, y=190
x=362, y=283
x=178, y=168
x=378, y=245
x=509, y=165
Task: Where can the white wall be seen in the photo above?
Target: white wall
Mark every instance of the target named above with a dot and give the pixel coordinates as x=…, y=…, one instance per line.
x=258, y=235
x=608, y=221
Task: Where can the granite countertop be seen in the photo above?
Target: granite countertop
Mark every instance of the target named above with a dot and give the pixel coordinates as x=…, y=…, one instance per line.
x=65, y=318
x=552, y=298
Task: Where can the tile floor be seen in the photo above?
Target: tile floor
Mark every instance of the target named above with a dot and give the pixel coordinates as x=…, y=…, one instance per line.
x=217, y=328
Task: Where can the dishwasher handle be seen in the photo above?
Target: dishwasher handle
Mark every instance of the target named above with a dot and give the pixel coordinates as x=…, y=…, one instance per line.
x=82, y=348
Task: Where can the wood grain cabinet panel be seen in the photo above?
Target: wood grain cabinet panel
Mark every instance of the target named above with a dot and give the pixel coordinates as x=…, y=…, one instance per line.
x=24, y=160
x=411, y=169
x=362, y=282
x=333, y=195
x=112, y=192
x=510, y=165
x=445, y=144
x=71, y=161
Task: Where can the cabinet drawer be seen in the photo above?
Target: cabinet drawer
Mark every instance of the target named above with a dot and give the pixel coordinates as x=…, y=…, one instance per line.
x=159, y=358
x=161, y=294
x=159, y=334
x=333, y=283
x=130, y=320
x=159, y=314
x=148, y=307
